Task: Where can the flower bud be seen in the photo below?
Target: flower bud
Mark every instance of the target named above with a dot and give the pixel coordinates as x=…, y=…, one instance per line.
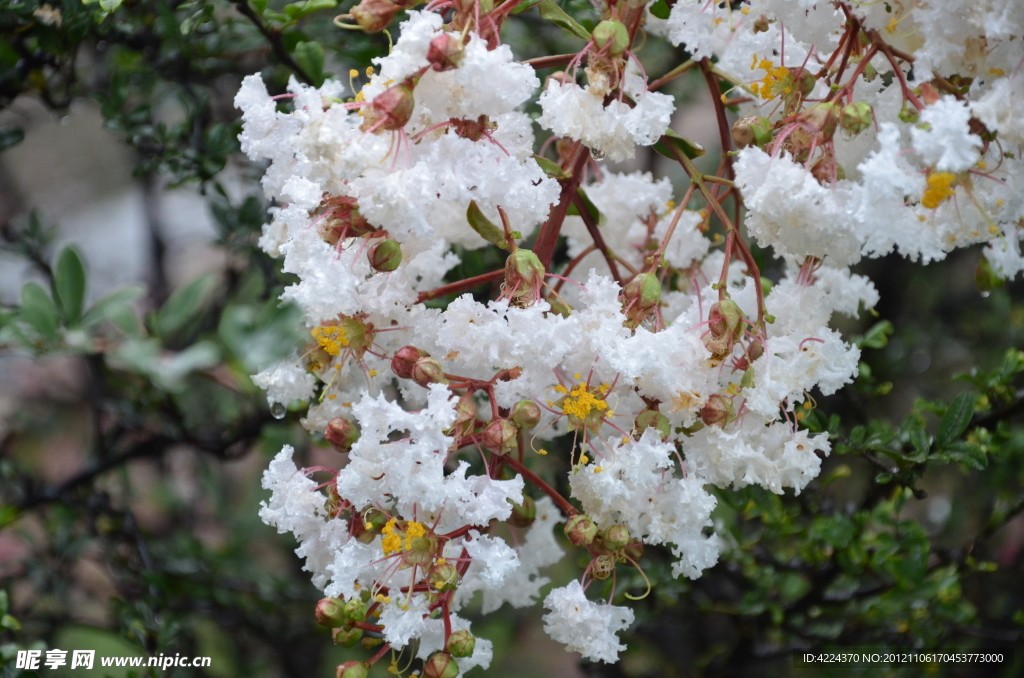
x=524, y=275
x=602, y=567
x=446, y=52
x=827, y=171
x=428, y=371
x=443, y=577
x=460, y=644
x=855, y=117
x=908, y=113
x=405, y=359
x=352, y=669
x=391, y=109
x=639, y=298
x=634, y=551
x=755, y=130
x=805, y=82
x=651, y=419
x=465, y=417
x=366, y=529
x=347, y=636
x=355, y=610
x=761, y=24
x=616, y=537
x=373, y=16
x=524, y=514
x=823, y=117
x=500, y=436
x=718, y=411
x=580, y=530
x=330, y=612
x=526, y=414
x=341, y=433
x=613, y=35
x=440, y=665
x=724, y=318
x=385, y=256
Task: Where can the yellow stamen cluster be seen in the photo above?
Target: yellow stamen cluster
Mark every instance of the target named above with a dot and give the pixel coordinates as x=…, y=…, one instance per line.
x=773, y=83
x=331, y=338
x=413, y=530
x=580, y=401
x=940, y=187
x=392, y=541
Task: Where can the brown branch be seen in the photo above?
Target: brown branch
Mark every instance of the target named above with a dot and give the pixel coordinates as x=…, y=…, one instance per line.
x=274, y=38
x=562, y=502
x=547, y=238
x=595, y=233
x=459, y=286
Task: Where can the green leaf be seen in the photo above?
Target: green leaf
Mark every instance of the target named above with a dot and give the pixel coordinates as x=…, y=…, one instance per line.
x=260, y=5
x=956, y=420
x=4, y=602
x=550, y=11
x=10, y=623
x=10, y=136
x=660, y=9
x=966, y=454
x=595, y=214
x=877, y=336
x=485, y=227
x=691, y=149
x=551, y=168
x=69, y=284
x=523, y=6
x=183, y=305
x=299, y=10
x=37, y=310
x=112, y=306
x=310, y=56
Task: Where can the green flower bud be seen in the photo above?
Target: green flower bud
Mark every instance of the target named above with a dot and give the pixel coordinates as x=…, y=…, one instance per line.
x=755, y=130
x=352, y=670
x=355, y=610
x=347, y=636
x=524, y=514
x=613, y=35
x=640, y=298
x=460, y=644
x=616, y=537
x=724, y=318
x=341, y=433
x=330, y=612
x=525, y=414
x=855, y=117
x=651, y=419
x=524, y=275
x=385, y=256
x=580, y=530
x=440, y=665
x=443, y=577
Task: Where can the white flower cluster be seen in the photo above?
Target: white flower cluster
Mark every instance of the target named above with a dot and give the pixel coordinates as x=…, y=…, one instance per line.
x=662, y=366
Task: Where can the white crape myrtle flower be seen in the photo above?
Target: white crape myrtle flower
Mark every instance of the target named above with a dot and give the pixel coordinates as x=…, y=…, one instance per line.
x=943, y=138
x=286, y=381
x=584, y=626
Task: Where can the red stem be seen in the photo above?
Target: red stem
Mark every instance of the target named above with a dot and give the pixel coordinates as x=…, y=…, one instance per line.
x=562, y=502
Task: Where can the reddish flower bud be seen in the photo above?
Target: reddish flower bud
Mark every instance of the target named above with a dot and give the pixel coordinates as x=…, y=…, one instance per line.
x=385, y=256
x=526, y=414
x=330, y=612
x=405, y=359
x=373, y=16
x=500, y=436
x=718, y=411
x=580, y=530
x=446, y=52
x=440, y=665
x=523, y=515
x=341, y=433
x=428, y=371
x=391, y=109
x=461, y=643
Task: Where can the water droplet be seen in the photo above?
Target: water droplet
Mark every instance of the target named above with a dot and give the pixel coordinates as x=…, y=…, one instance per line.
x=278, y=410
x=597, y=154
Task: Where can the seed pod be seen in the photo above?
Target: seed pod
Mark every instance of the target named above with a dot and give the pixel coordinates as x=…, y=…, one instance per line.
x=580, y=530
x=341, y=433
x=352, y=669
x=523, y=515
x=613, y=35
x=385, y=256
x=347, y=636
x=405, y=359
x=718, y=411
x=461, y=643
x=440, y=665
x=500, y=436
x=330, y=612
x=754, y=130
x=525, y=414
x=428, y=371
x=651, y=419
x=616, y=537
x=855, y=117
